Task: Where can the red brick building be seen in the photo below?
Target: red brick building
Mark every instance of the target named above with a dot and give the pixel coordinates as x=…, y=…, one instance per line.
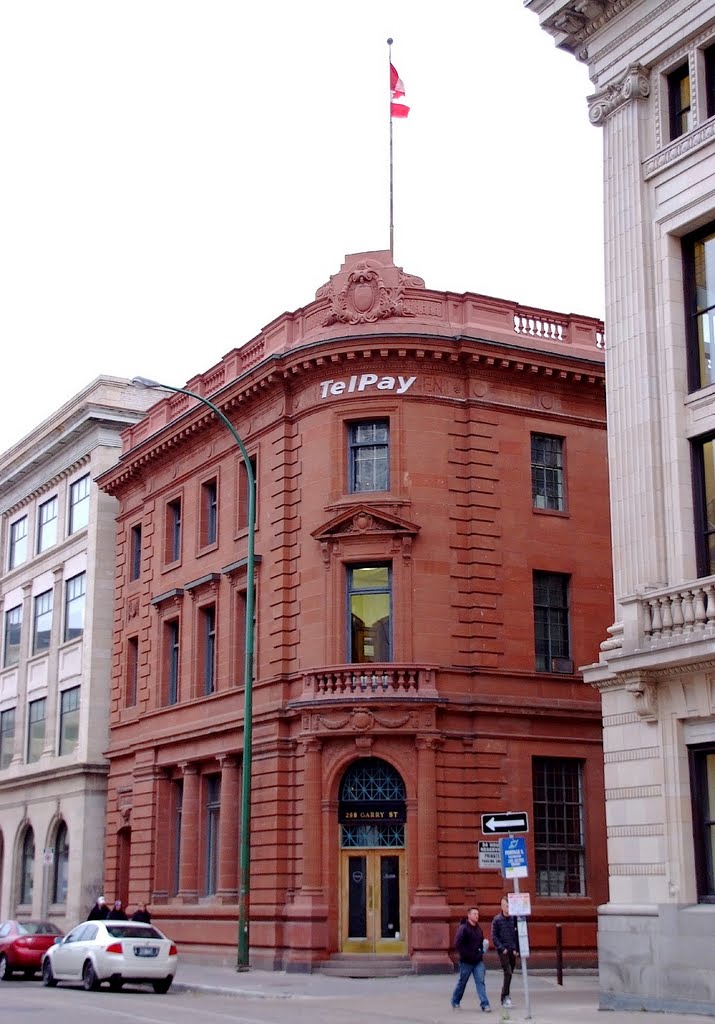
x=432, y=565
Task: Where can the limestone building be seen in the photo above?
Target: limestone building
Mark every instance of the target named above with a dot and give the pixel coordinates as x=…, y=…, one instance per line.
x=652, y=64
x=56, y=594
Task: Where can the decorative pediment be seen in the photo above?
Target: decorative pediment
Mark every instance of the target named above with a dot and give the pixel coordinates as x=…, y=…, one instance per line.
x=368, y=288
x=364, y=521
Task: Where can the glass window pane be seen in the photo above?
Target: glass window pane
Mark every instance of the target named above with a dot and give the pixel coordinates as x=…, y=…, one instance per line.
x=36, y=730
x=69, y=720
x=74, y=606
x=7, y=737
x=13, y=631
x=43, y=623
x=369, y=456
x=79, y=504
x=18, y=543
x=47, y=525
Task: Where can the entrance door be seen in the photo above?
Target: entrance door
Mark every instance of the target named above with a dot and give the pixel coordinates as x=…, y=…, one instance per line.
x=373, y=901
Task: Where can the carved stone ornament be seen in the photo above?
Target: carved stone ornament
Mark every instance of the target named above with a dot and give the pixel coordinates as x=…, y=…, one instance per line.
x=366, y=291
x=633, y=85
x=645, y=696
x=361, y=521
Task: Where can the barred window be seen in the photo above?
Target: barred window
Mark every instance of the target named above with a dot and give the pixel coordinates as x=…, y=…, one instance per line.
x=547, y=472
x=558, y=827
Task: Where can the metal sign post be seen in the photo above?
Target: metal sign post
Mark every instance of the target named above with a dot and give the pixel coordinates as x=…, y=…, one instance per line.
x=514, y=866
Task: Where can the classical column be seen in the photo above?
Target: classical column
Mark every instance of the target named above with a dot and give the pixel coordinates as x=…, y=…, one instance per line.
x=190, y=825
x=312, y=830
x=429, y=912
x=227, y=889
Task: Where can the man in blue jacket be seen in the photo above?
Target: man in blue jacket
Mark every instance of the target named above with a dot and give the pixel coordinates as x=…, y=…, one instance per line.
x=470, y=945
x=505, y=939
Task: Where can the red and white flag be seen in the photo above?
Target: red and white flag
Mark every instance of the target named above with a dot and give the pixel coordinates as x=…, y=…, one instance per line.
x=397, y=90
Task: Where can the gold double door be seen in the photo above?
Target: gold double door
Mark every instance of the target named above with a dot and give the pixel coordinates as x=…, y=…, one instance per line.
x=373, y=901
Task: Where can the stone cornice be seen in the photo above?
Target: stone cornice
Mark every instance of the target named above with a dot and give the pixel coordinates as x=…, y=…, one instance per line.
x=575, y=22
x=634, y=84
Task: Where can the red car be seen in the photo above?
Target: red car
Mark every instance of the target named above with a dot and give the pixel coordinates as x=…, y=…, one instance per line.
x=23, y=944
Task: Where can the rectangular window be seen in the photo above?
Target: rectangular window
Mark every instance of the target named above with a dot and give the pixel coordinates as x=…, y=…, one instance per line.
x=704, y=501
x=702, y=786
x=699, y=280
x=69, y=720
x=213, y=809
x=178, y=795
x=171, y=660
x=547, y=472
x=243, y=491
x=369, y=613
x=7, y=737
x=132, y=671
x=709, y=60
x=207, y=619
x=79, y=504
x=42, y=625
x=558, y=827
x=209, y=513
x=369, y=456
x=36, y=729
x=551, y=622
x=13, y=631
x=74, y=606
x=18, y=543
x=172, y=530
x=135, y=552
x=679, y=102
x=47, y=525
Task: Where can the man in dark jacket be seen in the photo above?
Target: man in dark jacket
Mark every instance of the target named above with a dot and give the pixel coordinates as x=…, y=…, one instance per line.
x=99, y=911
x=505, y=940
x=470, y=945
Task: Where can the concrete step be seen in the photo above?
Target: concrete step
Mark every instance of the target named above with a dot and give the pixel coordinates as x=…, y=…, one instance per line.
x=365, y=965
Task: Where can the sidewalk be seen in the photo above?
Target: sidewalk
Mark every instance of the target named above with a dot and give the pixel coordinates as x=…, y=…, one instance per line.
x=424, y=997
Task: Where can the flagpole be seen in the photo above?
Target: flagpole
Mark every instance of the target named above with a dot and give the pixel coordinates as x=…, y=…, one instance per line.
x=392, y=225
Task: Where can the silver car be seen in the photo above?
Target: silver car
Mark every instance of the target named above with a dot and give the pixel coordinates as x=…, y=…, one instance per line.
x=111, y=951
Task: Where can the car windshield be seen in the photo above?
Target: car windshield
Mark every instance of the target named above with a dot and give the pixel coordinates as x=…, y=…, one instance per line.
x=132, y=931
x=38, y=928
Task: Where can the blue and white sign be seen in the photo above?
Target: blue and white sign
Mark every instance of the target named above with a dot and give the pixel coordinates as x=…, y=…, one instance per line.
x=513, y=857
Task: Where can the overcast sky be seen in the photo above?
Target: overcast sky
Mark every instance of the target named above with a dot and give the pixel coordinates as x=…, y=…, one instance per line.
x=177, y=173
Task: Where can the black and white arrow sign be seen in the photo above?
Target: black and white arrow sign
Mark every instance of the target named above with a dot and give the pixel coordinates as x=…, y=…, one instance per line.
x=499, y=823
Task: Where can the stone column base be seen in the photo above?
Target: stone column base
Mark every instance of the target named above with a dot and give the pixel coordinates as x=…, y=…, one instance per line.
x=306, y=931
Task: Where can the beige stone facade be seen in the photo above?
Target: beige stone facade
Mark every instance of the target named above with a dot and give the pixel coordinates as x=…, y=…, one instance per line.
x=653, y=68
x=56, y=594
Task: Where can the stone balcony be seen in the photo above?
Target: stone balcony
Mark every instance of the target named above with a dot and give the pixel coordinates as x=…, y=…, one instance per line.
x=391, y=680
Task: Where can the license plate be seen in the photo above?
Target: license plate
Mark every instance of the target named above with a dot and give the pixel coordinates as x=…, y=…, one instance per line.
x=146, y=951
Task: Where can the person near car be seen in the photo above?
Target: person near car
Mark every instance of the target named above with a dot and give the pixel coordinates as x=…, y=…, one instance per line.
x=141, y=914
x=99, y=911
x=505, y=939
x=471, y=945
x=117, y=912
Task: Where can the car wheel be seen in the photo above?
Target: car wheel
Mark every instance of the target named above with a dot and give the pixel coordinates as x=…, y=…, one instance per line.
x=115, y=984
x=89, y=977
x=162, y=986
x=48, y=977
x=5, y=969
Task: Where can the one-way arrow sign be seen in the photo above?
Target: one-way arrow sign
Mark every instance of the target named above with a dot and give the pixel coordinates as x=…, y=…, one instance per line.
x=499, y=823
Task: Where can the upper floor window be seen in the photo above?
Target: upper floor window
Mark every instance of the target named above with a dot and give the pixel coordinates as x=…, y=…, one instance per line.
x=36, y=729
x=7, y=736
x=69, y=720
x=547, y=472
x=704, y=502
x=47, y=525
x=42, y=625
x=135, y=551
x=213, y=811
x=13, y=631
x=702, y=785
x=60, y=867
x=699, y=277
x=244, y=491
x=79, y=504
x=559, y=846
x=74, y=606
x=18, y=543
x=208, y=648
x=551, y=622
x=209, y=513
x=709, y=61
x=369, y=613
x=369, y=456
x=172, y=531
x=132, y=671
x=171, y=660
x=679, y=101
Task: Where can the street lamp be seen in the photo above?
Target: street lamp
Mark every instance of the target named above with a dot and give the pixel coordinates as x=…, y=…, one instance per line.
x=245, y=845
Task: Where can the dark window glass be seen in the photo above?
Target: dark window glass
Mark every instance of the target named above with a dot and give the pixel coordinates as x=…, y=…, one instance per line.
x=558, y=827
x=79, y=504
x=208, y=644
x=699, y=275
x=171, y=640
x=47, y=525
x=244, y=490
x=679, y=102
x=369, y=613
x=7, y=737
x=209, y=513
x=13, y=631
x=69, y=720
x=709, y=59
x=27, y=867
x=135, y=553
x=36, y=729
x=369, y=456
x=173, y=530
x=213, y=808
x=178, y=802
x=74, y=606
x=60, y=867
x=18, y=543
x=704, y=501
x=132, y=670
x=702, y=784
x=551, y=622
x=42, y=626
x=547, y=472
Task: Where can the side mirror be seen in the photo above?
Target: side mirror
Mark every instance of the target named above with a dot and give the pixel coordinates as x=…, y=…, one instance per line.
x=58, y=938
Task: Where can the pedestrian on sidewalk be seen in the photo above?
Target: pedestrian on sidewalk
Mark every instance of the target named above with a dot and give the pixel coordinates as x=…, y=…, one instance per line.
x=141, y=914
x=505, y=940
x=471, y=946
x=99, y=911
x=117, y=912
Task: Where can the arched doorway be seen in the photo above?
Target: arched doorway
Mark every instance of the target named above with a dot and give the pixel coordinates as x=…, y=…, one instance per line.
x=373, y=893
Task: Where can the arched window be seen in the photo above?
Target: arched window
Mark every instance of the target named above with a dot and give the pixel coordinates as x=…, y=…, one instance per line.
x=60, y=868
x=27, y=866
x=372, y=805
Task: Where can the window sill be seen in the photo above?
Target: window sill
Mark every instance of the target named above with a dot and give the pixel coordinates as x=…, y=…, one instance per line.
x=559, y=513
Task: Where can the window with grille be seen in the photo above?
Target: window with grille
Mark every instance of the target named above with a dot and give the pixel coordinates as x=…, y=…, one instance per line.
x=558, y=827
x=369, y=456
x=551, y=622
x=372, y=805
x=547, y=472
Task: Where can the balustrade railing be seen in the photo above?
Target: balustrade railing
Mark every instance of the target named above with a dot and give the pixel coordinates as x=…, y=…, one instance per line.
x=364, y=681
x=679, y=614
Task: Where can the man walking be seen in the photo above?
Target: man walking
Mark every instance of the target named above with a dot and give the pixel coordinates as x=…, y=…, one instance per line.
x=470, y=945
x=505, y=940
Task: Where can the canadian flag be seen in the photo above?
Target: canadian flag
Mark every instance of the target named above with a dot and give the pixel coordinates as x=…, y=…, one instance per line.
x=397, y=90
